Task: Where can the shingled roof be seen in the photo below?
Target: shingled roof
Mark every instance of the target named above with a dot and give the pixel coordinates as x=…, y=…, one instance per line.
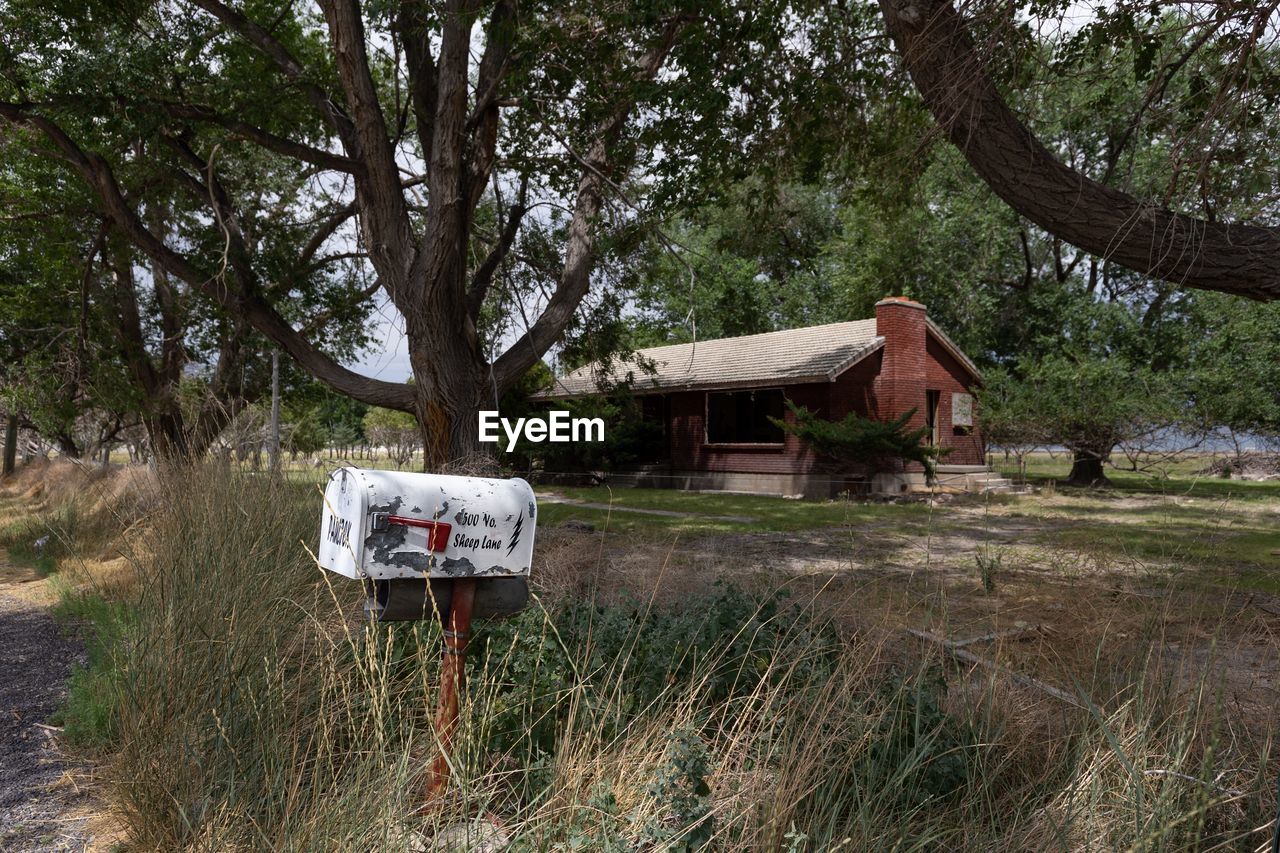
x=794, y=356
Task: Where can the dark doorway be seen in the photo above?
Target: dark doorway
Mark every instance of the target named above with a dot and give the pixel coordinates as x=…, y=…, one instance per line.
x=653, y=440
x=931, y=400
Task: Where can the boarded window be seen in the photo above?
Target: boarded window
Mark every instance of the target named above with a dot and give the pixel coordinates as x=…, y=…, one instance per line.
x=962, y=410
x=742, y=417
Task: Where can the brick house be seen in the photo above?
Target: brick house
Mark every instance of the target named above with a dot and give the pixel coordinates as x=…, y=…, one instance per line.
x=714, y=399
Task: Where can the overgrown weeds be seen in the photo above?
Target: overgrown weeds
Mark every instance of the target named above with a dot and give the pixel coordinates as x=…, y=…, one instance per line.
x=244, y=704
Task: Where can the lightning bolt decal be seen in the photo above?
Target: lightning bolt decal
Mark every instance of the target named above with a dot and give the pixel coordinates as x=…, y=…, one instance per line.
x=515, y=535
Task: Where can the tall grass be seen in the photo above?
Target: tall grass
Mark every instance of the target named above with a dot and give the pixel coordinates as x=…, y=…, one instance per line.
x=246, y=705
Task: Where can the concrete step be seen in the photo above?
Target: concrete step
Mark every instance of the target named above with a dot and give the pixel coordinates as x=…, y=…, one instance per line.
x=974, y=479
x=955, y=478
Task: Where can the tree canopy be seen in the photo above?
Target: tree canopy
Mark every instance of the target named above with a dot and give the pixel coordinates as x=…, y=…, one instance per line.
x=401, y=148
x=513, y=176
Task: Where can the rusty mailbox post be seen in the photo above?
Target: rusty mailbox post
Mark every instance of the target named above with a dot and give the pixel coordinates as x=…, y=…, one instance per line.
x=432, y=546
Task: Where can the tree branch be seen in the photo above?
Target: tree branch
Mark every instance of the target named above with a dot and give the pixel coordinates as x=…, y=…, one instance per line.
x=380, y=197
x=1141, y=235
x=128, y=324
x=484, y=273
x=482, y=124
x=287, y=64
x=377, y=182
x=440, y=261
x=579, y=259
x=244, y=305
x=1027, y=270
x=172, y=355
x=325, y=231
x=264, y=138
x=415, y=38
x=320, y=318
x=335, y=221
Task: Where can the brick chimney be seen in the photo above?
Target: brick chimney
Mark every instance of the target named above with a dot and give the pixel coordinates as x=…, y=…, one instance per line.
x=900, y=386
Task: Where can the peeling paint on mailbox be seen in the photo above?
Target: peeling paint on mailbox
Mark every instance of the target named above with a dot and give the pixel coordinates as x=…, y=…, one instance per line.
x=390, y=524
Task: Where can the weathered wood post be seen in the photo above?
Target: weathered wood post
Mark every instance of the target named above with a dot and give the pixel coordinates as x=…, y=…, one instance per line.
x=273, y=448
x=453, y=679
x=10, y=444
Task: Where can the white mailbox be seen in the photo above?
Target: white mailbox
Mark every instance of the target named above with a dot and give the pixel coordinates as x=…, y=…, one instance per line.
x=390, y=524
x=397, y=531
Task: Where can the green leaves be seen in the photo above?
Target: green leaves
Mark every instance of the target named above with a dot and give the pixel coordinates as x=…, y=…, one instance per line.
x=753, y=262
x=1086, y=404
x=682, y=791
x=1234, y=379
x=863, y=440
x=641, y=656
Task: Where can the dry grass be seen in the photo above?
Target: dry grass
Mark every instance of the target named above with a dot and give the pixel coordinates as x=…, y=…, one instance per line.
x=81, y=518
x=640, y=706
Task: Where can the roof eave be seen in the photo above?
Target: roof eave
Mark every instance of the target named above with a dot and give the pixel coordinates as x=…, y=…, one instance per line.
x=876, y=345
x=674, y=388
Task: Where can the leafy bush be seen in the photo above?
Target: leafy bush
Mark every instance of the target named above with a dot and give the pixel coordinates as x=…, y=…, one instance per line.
x=722, y=646
x=681, y=786
x=628, y=436
x=864, y=440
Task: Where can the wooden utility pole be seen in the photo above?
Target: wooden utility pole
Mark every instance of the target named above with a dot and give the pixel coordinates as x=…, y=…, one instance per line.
x=273, y=449
x=11, y=444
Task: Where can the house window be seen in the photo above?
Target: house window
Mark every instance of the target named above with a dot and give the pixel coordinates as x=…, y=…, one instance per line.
x=961, y=413
x=742, y=417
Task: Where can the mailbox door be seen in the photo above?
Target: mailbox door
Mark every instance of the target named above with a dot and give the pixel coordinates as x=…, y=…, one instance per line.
x=447, y=527
x=342, y=523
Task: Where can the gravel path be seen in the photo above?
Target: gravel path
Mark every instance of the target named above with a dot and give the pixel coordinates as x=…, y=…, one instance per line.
x=37, y=796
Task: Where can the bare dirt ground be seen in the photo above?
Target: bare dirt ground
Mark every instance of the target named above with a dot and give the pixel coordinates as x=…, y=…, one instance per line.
x=43, y=800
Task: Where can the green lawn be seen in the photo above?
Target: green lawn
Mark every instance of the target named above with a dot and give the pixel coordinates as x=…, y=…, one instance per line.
x=1175, y=478
x=1213, y=530
x=1241, y=545
x=769, y=513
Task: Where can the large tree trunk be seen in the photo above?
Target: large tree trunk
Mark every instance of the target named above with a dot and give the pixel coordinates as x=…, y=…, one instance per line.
x=449, y=388
x=158, y=388
x=167, y=436
x=1086, y=470
x=215, y=416
x=67, y=446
